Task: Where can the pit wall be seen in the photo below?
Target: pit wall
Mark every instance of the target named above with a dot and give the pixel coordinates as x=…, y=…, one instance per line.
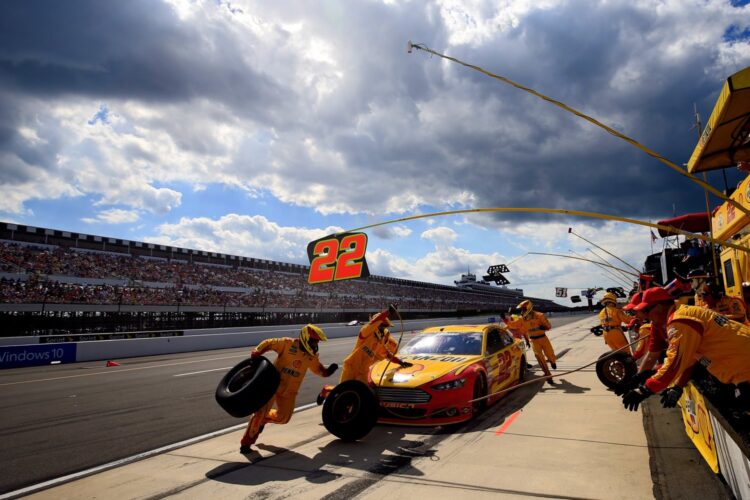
x=16, y=352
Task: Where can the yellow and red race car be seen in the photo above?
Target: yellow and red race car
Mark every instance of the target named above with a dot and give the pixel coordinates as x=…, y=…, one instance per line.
x=452, y=365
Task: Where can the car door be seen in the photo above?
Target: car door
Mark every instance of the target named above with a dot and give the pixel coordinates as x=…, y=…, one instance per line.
x=493, y=356
x=505, y=361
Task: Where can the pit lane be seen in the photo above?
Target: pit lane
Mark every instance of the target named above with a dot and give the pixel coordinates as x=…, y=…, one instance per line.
x=564, y=435
x=65, y=418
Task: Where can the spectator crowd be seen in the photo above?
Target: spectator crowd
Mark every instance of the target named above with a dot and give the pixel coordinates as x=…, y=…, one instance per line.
x=42, y=274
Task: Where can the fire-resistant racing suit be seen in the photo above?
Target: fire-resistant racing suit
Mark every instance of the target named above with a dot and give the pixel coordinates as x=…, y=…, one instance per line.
x=697, y=334
x=611, y=318
x=534, y=329
x=292, y=363
x=371, y=347
x=731, y=307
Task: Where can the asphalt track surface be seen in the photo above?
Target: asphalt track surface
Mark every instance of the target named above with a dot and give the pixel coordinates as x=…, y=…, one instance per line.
x=61, y=419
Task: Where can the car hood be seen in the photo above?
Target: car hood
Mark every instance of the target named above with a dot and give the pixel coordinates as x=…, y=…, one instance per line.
x=427, y=367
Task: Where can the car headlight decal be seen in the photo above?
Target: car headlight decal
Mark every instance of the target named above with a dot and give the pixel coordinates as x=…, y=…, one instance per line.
x=452, y=384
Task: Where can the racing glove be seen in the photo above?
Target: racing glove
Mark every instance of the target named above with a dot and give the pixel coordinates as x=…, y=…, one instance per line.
x=671, y=396
x=631, y=383
x=633, y=398
x=392, y=310
x=331, y=369
x=405, y=364
x=597, y=330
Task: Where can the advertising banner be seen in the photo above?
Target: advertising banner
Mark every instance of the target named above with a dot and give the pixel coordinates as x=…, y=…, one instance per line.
x=34, y=355
x=698, y=425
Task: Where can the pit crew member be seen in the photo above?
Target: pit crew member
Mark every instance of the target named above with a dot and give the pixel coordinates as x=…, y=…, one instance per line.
x=696, y=334
x=294, y=358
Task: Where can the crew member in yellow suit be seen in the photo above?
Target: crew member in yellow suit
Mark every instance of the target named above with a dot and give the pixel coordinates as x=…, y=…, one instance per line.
x=374, y=343
x=611, y=319
x=534, y=326
x=710, y=295
x=695, y=334
x=294, y=358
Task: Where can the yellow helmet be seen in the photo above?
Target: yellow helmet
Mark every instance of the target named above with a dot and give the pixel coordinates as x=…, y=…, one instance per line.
x=525, y=307
x=609, y=297
x=309, y=337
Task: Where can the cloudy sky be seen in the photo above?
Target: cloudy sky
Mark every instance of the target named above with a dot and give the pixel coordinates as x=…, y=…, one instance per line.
x=254, y=127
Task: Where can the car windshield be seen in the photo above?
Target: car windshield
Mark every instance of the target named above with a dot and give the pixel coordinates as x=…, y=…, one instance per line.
x=464, y=343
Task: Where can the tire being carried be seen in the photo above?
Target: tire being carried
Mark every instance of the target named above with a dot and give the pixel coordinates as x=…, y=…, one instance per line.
x=351, y=410
x=614, y=367
x=248, y=386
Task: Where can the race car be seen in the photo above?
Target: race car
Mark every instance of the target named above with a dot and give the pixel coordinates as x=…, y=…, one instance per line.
x=451, y=365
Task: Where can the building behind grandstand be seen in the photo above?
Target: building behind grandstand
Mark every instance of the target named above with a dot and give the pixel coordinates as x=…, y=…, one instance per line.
x=54, y=281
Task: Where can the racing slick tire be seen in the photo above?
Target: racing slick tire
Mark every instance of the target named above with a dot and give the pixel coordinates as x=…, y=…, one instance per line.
x=350, y=411
x=615, y=368
x=480, y=390
x=248, y=386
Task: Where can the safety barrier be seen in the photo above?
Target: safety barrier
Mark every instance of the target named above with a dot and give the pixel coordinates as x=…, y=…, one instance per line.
x=720, y=445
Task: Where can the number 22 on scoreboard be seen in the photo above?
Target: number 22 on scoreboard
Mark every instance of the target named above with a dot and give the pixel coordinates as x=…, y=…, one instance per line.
x=338, y=257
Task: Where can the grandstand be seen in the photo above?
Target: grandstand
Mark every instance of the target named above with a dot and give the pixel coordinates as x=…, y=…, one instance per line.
x=54, y=281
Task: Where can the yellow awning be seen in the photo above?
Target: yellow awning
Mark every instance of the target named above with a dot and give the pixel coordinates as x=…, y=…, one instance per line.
x=726, y=138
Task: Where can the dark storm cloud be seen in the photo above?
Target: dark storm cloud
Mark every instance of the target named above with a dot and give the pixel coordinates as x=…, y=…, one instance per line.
x=132, y=49
x=422, y=129
x=536, y=154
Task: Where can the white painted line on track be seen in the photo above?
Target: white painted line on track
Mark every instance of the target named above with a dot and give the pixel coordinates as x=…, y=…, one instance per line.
x=202, y=371
x=124, y=461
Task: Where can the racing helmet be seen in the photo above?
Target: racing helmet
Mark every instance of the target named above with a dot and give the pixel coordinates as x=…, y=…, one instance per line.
x=609, y=298
x=309, y=336
x=525, y=308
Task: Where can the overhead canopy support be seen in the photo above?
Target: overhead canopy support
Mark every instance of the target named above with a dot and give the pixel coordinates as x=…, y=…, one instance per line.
x=726, y=139
x=694, y=223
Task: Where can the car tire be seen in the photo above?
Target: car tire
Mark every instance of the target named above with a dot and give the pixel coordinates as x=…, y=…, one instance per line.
x=522, y=369
x=613, y=368
x=480, y=390
x=248, y=386
x=350, y=411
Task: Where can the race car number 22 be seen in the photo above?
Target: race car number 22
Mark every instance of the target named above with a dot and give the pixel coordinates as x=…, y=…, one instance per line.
x=337, y=257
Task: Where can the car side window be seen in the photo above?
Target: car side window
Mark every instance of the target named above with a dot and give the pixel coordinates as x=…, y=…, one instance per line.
x=494, y=341
x=506, y=338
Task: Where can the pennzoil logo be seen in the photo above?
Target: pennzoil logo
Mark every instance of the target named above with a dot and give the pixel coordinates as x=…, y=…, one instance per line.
x=290, y=372
x=448, y=359
x=386, y=404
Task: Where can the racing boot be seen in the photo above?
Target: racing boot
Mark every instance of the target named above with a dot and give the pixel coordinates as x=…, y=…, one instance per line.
x=246, y=443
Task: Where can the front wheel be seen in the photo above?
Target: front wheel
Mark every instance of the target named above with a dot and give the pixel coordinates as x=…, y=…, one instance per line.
x=350, y=411
x=480, y=390
x=522, y=369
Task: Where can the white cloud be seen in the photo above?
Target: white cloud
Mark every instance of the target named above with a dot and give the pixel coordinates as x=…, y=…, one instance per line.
x=245, y=235
x=114, y=216
x=441, y=236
